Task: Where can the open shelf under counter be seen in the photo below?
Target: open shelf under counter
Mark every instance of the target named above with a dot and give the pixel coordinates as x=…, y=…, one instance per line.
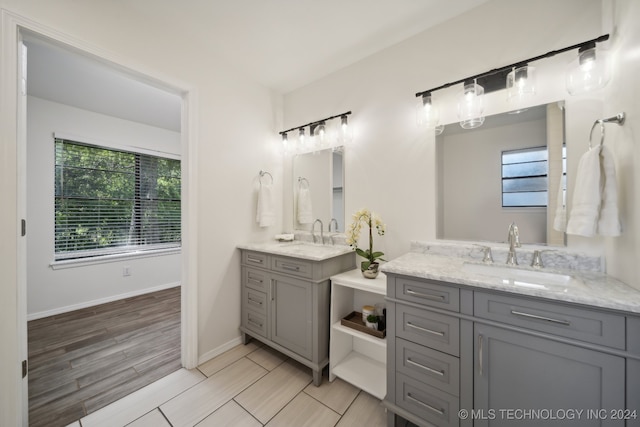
x=382, y=342
x=355, y=356
x=363, y=372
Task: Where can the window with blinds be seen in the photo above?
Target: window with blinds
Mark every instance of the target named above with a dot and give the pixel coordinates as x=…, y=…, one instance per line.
x=525, y=177
x=113, y=202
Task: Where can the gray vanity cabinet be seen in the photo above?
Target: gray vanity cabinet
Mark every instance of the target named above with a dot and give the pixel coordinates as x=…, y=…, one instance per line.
x=292, y=314
x=517, y=371
x=285, y=304
x=490, y=354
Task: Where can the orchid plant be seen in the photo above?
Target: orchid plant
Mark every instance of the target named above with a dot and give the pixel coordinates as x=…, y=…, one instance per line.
x=360, y=218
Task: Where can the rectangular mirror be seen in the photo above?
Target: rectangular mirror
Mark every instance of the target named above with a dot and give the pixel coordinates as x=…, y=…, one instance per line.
x=318, y=189
x=512, y=168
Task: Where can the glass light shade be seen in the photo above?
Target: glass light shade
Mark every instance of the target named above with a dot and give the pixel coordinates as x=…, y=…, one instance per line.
x=588, y=72
x=427, y=114
x=471, y=106
x=345, y=134
x=301, y=138
x=521, y=84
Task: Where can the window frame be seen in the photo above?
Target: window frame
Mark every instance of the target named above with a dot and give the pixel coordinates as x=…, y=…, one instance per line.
x=110, y=254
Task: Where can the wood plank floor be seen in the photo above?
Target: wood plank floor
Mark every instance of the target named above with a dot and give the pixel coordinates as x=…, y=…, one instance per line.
x=84, y=360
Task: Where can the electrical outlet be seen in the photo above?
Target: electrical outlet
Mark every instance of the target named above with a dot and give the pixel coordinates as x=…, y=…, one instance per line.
x=126, y=271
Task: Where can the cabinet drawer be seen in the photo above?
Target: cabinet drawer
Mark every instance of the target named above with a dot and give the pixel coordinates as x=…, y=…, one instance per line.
x=558, y=319
x=254, y=300
x=255, y=279
x=429, y=366
x=428, y=403
x=428, y=293
x=255, y=322
x=256, y=259
x=433, y=330
x=292, y=266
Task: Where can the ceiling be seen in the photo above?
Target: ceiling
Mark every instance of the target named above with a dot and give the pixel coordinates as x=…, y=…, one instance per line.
x=282, y=44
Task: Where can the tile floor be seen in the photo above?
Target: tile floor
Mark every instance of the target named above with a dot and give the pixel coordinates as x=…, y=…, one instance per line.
x=249, y=385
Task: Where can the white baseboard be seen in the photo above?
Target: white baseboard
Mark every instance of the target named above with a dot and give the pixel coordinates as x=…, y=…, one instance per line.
x=219, y=350
x=66, y=309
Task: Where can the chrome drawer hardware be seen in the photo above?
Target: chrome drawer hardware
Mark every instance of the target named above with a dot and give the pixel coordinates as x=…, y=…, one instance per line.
x=546, y=319
x=420, y=365
x=291, y=267
x=255, y=301
x=259, y=325
x=438, y=333
x=273, y=294
x=480, y=343
x=427, y=296
x=255, y=280
x=421, y=403
x=250, y=259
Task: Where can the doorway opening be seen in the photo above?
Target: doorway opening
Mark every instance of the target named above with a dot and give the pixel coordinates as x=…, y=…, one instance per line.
x=72, y=93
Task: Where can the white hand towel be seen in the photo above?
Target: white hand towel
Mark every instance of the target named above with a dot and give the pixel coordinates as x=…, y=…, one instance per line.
x=560, y=219
x=305, y=211
x=609, y=222
x=266, y=215
x=585, y=209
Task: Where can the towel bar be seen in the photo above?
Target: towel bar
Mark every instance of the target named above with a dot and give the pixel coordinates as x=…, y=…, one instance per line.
x=263, y=173
x=618, y=119
x=301, y=180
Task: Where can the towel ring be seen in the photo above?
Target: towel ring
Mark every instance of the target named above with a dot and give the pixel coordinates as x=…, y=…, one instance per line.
x=263, y=173
x=302, y=180
x=618, y=119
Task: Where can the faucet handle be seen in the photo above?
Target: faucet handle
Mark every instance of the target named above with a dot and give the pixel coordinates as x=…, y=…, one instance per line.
x=536, y=261
x=488, y=256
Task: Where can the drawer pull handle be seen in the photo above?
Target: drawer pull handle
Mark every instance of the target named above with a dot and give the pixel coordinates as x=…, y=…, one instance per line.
x=421, y=403
x=480, y=345
x=420, y=328
x=291, y=267
x=259, y=325
x=255, y=301
x=427, y=296
x=420, y=365
x=546, y=319
x=255, y=280
x=251, y=259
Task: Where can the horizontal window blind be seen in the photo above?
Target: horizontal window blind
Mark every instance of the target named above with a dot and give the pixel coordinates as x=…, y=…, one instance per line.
x=524, y=177
x=113, y=202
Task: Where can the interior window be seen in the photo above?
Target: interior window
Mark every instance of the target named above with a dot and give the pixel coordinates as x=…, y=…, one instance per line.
x=524, y=177
x=113, y=202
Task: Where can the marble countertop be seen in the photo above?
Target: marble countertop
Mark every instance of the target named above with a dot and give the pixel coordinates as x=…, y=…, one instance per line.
x=298, y=249
x=595, y=288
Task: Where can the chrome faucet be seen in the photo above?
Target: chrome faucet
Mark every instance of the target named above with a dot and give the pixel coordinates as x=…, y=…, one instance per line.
x=333, y=221
x=313, y=227
x=514, y=242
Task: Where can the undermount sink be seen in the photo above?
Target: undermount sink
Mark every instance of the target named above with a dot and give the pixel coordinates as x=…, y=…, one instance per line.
x=533, y=279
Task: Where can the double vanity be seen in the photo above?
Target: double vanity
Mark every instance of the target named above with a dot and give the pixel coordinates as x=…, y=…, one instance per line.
x=467, y=342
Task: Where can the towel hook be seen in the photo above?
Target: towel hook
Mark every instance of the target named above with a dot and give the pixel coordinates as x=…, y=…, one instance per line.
x=618, y=119
x=263, y=173
x=302, y=180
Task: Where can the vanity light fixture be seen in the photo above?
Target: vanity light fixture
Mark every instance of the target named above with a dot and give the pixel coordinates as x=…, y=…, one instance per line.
x=471, y=105
x=521, y=84
x=427, y=114
x=584, y=74
x=319, y=132
x=346, y=133
x=589, y=71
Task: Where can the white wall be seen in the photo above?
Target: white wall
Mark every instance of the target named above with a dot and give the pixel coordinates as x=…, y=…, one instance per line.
x=55, y=291
x=621, y=18
x=235, y=123
x=390, y=164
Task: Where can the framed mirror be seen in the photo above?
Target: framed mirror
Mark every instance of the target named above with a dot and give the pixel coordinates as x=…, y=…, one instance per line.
x=510, y=169
x=318, y=189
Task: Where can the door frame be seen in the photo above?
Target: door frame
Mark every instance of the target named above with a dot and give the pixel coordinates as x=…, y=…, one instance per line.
x=13, y=146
